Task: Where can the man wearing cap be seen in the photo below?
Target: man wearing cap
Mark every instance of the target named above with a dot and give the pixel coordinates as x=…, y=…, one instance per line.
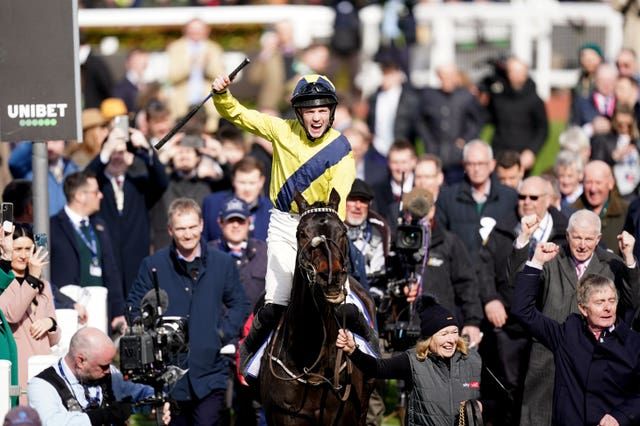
x=22, y=416
x=368, y=231
x=250, y=255
x=247, y=179
x=202, y=285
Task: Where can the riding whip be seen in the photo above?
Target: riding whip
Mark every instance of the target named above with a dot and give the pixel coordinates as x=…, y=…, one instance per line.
x=195, y=109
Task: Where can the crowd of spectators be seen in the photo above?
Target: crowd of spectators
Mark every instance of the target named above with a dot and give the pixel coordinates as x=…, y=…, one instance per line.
x=119, y=208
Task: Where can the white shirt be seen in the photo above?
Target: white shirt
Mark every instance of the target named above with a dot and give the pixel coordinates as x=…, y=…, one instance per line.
x=386, y=109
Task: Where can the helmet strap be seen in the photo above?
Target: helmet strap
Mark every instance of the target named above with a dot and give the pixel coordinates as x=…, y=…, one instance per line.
x=332, y=114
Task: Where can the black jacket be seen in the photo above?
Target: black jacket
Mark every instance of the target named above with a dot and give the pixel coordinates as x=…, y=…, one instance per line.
x=457, y=211
x=449, y=275
x=445, y=117
x=519, y=117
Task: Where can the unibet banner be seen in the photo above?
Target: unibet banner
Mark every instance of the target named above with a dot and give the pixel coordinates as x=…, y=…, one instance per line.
x=40, y=83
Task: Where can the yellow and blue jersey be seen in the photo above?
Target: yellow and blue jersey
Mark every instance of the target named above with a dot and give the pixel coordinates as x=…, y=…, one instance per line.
x=313, y=167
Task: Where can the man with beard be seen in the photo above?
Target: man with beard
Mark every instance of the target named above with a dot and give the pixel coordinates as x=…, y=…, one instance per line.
x=83, y=388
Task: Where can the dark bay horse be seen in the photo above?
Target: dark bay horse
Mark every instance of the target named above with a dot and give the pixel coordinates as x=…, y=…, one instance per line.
x=299, y=381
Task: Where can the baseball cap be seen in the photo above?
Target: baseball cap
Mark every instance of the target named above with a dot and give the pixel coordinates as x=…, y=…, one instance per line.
x=22, y=415
x=235, y=207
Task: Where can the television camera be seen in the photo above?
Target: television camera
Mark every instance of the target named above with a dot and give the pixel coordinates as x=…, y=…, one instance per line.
x=152, y=343
x=404, y=269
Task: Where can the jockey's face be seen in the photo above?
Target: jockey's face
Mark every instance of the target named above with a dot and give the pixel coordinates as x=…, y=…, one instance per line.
x=316, y=120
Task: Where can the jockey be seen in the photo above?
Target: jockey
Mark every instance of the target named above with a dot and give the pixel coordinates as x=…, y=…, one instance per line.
x=308, y=155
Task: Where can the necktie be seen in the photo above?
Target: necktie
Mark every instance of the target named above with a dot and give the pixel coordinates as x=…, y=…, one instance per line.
x=533, y=243
x=84, y=228
x=580, y=268
x=118, y=191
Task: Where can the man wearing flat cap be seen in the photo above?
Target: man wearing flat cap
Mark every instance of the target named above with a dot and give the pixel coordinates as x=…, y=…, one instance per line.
x=367, y=230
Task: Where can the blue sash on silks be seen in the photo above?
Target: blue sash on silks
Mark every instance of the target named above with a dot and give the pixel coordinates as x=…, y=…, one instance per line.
x=253, y=366
x=311, y=170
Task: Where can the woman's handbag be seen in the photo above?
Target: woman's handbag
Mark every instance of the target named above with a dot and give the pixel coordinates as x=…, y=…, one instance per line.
x=470, y=414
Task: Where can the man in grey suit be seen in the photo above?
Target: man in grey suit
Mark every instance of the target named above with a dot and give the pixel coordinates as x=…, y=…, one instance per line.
x=580, y=256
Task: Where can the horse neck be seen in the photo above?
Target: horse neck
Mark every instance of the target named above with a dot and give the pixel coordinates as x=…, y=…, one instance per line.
x=308, y=321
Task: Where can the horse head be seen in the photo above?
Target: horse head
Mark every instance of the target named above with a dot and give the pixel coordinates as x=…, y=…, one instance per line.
x=323, y=247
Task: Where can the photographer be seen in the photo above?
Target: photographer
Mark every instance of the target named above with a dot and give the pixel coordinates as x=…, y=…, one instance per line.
x=131, y=180
x=83, y=388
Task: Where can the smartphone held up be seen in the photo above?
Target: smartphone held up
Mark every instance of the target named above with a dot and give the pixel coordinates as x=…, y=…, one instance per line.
x=7, y=217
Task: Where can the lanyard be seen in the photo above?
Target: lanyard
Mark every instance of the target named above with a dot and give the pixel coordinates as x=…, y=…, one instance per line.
x=91, y=401
x=91, y=245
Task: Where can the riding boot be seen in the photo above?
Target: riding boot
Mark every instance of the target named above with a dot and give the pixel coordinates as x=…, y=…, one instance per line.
x=356, y=323
x=264, y=321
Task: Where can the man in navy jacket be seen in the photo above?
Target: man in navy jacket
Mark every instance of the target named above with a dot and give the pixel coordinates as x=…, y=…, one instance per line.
x=203, y=286
x=596, y=355
x=85, y=260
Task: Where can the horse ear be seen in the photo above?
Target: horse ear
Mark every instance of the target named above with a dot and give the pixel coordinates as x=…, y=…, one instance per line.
x=300, y=201
x=334, y=199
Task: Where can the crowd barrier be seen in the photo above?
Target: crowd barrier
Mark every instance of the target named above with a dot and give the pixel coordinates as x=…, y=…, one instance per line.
x=544, y=33
x=95, y=300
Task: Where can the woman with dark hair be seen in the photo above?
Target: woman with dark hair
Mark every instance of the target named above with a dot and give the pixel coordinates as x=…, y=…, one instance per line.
x=26, y=300
x=440, y=372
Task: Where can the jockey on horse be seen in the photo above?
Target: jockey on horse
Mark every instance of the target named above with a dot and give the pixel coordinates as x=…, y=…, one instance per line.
x=308, y=156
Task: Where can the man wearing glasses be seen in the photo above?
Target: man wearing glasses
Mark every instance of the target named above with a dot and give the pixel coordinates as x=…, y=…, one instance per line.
x=480, y=201
x=81, y=250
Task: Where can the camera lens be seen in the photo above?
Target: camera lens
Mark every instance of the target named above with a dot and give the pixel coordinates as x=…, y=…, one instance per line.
x=410, y=239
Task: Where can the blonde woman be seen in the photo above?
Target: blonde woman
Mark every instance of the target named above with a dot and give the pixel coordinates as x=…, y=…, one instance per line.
x=440, y=371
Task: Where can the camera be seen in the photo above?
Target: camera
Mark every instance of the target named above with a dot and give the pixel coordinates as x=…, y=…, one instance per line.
x=409, y=238
x=145, y=353
x=401, y=328
x=153, y=344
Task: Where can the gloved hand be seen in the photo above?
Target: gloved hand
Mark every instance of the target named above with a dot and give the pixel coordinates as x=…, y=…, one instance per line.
x=116, y=412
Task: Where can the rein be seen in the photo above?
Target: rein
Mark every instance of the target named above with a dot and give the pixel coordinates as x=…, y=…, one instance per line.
x=311, y=275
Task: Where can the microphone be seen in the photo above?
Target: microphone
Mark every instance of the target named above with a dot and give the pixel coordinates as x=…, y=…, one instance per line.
x=149, y=306
x=418, y=207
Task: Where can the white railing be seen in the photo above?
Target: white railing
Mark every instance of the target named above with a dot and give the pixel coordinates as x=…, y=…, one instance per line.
x=525, y=27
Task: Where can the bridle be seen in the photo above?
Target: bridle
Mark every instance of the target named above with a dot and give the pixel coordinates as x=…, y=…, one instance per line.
x=308, y=268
